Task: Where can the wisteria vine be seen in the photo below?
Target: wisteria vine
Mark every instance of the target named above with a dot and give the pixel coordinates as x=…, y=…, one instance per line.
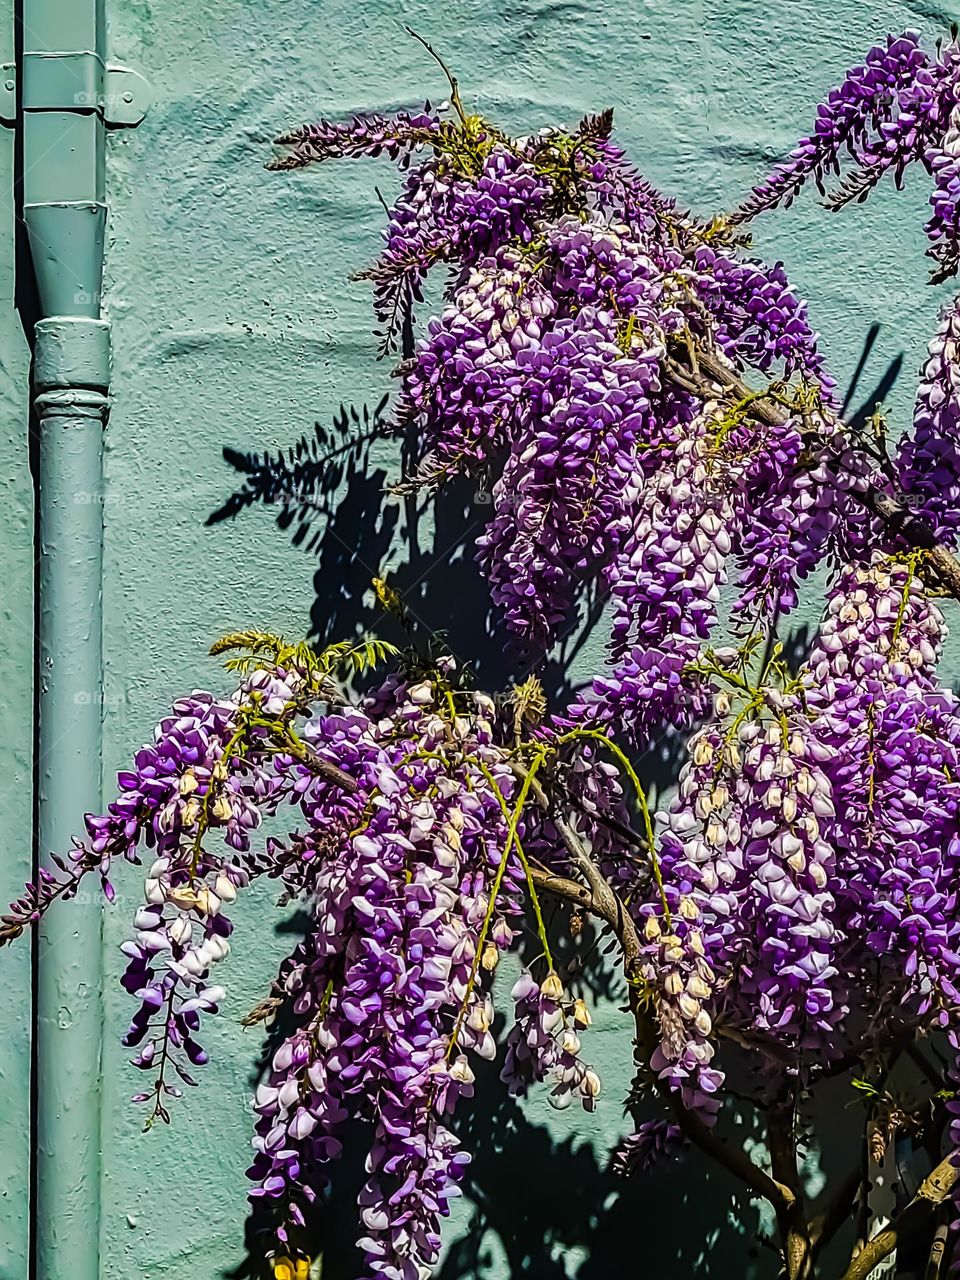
x=650, y=408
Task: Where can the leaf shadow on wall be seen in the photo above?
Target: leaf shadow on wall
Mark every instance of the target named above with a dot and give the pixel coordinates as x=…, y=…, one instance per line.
x=332, y=491
x=538, y=1205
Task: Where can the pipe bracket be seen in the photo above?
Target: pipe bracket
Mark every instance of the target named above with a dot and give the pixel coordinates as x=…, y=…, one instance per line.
x=77, y=81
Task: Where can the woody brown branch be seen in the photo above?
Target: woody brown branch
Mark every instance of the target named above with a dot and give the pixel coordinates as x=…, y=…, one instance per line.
x=932, y=1193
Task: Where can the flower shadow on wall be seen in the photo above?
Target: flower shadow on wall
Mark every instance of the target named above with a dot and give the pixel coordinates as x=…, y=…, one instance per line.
x=540, y=1206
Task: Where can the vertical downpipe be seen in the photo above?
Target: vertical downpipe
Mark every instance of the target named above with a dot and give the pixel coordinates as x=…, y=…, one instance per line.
x=63, y=45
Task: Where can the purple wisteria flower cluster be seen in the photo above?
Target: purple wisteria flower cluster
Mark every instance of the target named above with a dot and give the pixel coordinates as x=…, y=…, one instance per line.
x=649, y=406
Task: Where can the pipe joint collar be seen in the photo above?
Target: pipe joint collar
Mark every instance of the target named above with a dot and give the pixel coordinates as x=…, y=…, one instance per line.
x=71, y=354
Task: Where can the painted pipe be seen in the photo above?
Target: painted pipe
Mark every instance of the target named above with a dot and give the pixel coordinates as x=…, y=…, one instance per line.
x=61, y=88
x=71, y=362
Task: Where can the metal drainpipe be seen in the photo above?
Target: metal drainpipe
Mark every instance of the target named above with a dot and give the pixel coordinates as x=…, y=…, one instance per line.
x=68, y=95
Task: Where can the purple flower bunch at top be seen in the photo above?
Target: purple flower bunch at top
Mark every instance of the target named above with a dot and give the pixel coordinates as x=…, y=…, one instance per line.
x=850, y=119
x=364, y=135
x=550, y=378
x=448, y=213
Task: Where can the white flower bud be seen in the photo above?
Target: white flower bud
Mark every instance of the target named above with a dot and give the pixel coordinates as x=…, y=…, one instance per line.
x=697, y=987
x=695, y=942
x=461, y=1072
x=153, y=891
x=183, y=897
x=478, y=1019
x=552, y=1021
x=216, y=947
x=190, y=812
x=688, y=1006
x=703, y=1023
x=715, y=834
x=421, y=694
x=180, y=930
x=222, y=808
x=208, y=904
x=194, y=963
x=166, y=820
x=225, y=889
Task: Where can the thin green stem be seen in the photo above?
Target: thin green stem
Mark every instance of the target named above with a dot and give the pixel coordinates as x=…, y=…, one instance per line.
x=598, y=736
x=492, y=903
x=524, y=862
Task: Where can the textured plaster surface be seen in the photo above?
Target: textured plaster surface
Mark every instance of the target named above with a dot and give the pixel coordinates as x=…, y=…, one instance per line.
x=236, y=324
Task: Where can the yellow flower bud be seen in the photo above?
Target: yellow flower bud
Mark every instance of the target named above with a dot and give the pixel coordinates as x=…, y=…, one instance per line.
x=551, y=986
x=188, y=783
x=590, y=1087
x=190, y=812
x=581, y=1014
x=222, y=809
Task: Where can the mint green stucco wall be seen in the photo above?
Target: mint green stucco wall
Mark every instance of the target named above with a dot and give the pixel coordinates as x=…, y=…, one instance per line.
x=236, y=324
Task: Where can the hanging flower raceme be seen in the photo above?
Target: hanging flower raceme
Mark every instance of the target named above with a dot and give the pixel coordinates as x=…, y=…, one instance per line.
x=929, y=457
x=565, y=490
x=892, y=735
x=856, y=118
